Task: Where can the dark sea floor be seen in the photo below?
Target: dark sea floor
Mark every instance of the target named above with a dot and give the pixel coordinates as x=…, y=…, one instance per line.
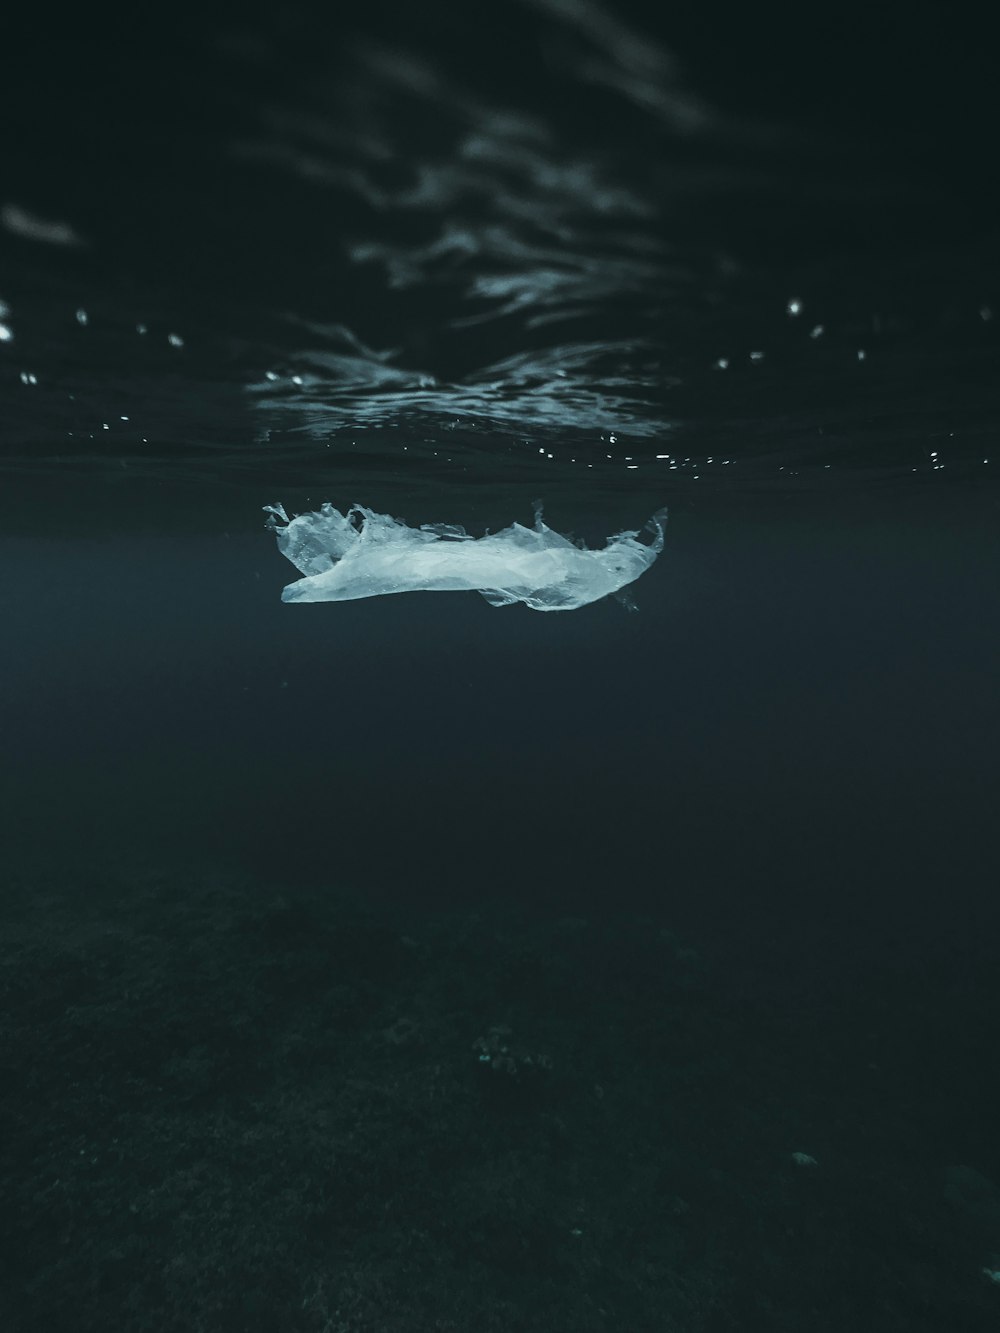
x=236, y=1105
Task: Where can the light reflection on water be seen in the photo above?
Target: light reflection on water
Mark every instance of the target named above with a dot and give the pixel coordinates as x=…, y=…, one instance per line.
x=503, y=279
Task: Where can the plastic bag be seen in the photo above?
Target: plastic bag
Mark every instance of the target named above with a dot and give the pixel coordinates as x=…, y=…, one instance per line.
x=363, y=554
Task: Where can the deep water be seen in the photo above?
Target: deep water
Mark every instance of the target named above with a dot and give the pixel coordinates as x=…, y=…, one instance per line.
x=414, y=963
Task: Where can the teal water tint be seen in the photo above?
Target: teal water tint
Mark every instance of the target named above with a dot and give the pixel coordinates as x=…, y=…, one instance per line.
x=415, y=963
x=802, y=697
x=613, y=968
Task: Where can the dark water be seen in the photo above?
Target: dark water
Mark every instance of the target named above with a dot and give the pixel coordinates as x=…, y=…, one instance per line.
x=411, y=963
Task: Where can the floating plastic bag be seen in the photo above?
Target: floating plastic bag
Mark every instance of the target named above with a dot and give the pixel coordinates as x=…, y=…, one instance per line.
x=364, y=554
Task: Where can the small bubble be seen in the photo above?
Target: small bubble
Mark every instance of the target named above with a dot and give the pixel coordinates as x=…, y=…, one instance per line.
x=862, y=354
x=82, y=317
x=28, y=378
x=816, y=331
x=6, y=333
x=756, y=356
x=985, y=313
x=175, y=340
x=722, y=363
x=141, y=328
x=794, y=307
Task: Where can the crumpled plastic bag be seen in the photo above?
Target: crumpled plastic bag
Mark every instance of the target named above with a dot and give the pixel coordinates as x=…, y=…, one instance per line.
x=363, y=554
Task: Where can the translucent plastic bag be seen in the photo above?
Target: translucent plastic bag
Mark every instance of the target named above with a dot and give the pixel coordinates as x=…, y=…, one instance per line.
x=363, y=554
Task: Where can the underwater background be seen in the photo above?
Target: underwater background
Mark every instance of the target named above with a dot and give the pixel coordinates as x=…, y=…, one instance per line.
x=415, y=963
